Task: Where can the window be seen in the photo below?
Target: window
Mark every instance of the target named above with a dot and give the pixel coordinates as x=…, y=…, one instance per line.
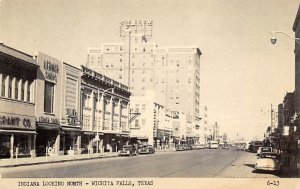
x=143, y=107
x=49, y=97
x=120, y=76
x=22, y=90
x=3, y=85
x=9, y=87
x=17, y=88
x=136, y=124
x=28, y=91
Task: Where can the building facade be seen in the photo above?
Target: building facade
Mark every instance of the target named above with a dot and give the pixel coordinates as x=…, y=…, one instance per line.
x=17, y=103
x=105, y=110
x=58, y=100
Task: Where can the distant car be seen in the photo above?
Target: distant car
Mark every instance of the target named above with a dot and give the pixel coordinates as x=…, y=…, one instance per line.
x=128, y=150
x=264, y=150
x=268, y=162
x=199, y=146
x=146, y=149
x=225, y=146
x=181, y=148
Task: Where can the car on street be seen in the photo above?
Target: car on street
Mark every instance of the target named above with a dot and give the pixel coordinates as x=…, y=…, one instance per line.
x=146, y=149
x=181, y=147
x=268, y=162
x=264, y=150
x=128, y=150
x=225, y=146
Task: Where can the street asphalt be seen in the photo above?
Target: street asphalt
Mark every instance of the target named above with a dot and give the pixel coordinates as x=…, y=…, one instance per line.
x=203, y=163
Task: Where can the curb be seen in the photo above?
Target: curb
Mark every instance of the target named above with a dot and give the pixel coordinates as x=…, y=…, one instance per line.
x=55, y=161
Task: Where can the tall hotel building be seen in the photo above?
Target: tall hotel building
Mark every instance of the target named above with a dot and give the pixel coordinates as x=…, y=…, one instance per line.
x=172, y=72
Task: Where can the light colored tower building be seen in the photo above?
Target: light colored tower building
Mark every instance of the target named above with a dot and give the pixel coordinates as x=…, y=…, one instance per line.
x=144, y=66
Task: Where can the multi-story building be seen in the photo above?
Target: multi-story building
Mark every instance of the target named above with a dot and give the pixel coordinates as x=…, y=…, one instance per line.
x=57, y=107
x=204, y=125
x=105, y=110
x=144, y=66
x=17, y=103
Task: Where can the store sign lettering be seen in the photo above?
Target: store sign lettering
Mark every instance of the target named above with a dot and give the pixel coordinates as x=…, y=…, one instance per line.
x=72, y=116
x=136, y=23
x=51, y=70
x=48, y=120
x=14, y=121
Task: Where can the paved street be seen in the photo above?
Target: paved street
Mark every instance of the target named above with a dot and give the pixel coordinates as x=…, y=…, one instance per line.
x=205, y=163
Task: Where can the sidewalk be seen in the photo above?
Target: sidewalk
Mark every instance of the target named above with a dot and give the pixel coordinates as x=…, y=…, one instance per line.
x=52, y=159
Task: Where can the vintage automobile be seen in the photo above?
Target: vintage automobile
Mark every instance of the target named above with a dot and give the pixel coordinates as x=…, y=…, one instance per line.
x=264, y=150
x=181, y=148
x=268, y=162
x=128, y=150
x=225, y=146
x=146, y=149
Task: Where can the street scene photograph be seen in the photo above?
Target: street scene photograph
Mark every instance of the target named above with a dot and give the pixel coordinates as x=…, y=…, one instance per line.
x=149, y=89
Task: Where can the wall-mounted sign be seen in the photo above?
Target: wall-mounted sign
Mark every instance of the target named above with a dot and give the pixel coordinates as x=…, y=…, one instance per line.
x=10, y=121
x=71, y=116
x=48, y=120
x=51, y=71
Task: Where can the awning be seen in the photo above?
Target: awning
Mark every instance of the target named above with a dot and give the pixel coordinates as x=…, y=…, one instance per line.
x=18, y=131
x=48, y=126
x=71, y=129
x=90, y=133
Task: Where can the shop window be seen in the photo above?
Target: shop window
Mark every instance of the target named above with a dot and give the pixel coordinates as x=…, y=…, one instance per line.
x=9, y=87
x=28, y=91
x=3, y=85
x=22, y=90
x=17, y=89
x=49, y=97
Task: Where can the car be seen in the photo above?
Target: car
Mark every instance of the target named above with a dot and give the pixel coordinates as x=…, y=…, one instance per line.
x=128, y=150
x=225, y=146
x=146, y=149
x=181, y=148
x=268, y=162
x=263, y=149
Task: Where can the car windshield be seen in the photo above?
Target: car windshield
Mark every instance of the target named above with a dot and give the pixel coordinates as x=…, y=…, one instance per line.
x=266, y=149
x=268, y=155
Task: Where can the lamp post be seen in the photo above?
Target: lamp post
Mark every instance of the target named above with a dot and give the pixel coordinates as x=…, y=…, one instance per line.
x=102, y=96
x=274, y=39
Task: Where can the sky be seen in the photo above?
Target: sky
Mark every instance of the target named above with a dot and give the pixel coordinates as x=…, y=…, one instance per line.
x=242, y=73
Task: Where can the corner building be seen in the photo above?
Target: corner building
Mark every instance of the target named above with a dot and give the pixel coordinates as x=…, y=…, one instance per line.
x=17, y=103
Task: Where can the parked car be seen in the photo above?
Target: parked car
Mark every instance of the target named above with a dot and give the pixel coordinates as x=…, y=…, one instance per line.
x=128, y=150
x=225, y=146
x=268, y=162
x=181, y=148
x=146, y=149
x=264, y=150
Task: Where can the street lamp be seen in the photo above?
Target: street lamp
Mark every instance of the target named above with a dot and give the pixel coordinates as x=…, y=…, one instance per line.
x=102, y=96
x=274, y=39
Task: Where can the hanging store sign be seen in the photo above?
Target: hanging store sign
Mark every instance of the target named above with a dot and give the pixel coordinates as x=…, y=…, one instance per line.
x=51, y=70
x=16, y=121
x=71, y=116
x=286, y=130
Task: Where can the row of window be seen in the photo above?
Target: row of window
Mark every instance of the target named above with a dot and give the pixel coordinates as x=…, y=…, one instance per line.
x=16, y=88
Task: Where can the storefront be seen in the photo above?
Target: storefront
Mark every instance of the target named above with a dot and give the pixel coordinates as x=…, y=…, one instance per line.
x=47, y=136
x=17, y=136
x=17, y=103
